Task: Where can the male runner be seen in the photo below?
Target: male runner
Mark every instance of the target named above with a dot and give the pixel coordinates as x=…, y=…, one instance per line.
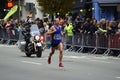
x=56, y=33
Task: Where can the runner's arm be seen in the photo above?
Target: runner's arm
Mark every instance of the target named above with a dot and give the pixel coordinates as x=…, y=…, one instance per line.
x=51, y=30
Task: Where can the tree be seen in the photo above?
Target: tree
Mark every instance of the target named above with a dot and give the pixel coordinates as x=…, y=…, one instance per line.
x=55, y=6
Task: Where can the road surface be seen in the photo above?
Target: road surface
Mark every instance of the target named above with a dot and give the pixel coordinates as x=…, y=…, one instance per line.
x=14, y=65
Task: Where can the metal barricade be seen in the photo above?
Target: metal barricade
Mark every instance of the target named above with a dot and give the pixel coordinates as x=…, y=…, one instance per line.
x=9, y=36
x=78, y=42
x=83, y=41
x=115, y=41
x=1, y=34
x=90, y=42
x=93, y=43
x=68, y=42
x=13, y=36
x=114, y=45
x=47, y=41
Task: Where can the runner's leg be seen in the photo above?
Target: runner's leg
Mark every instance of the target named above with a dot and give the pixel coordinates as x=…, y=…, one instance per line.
x=50, y=55
x=60, y=47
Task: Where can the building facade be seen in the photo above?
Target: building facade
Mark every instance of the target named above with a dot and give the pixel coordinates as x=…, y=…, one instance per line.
x=108, y=9
x=31, y=7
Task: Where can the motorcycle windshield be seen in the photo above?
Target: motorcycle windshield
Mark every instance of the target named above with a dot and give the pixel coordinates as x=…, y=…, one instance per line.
x=34, y=30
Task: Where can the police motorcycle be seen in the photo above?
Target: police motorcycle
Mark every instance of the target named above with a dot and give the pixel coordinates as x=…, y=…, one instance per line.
x=34, y=42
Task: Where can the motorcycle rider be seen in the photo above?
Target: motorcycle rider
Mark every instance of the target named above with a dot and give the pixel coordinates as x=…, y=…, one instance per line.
x=26, y=33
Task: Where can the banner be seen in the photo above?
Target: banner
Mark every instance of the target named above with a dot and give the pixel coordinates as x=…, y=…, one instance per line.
x=11, y=12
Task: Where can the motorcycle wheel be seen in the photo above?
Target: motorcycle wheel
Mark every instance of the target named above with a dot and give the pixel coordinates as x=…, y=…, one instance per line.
x=39, y=53
x=29, y=50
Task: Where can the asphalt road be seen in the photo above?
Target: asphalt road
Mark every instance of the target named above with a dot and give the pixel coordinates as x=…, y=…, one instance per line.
x=14, y=65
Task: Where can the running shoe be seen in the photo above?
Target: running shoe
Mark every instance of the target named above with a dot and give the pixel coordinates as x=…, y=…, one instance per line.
x=61, y=65
x=49, y=60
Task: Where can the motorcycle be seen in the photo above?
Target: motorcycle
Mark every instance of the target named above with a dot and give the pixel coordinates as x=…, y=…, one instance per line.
x=35, y=45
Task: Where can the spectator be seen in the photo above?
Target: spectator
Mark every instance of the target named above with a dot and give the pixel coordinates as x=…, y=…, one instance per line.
x=87, y=32
x=119, y=27
x=77, y=32
x=103, y=23
x=93, y=27
x=69, y=31
x=112, y=29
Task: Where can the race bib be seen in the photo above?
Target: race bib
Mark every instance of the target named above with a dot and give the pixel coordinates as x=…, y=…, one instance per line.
x=57, y=37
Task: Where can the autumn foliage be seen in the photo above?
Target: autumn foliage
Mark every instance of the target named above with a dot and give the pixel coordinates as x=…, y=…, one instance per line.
x=55, y=6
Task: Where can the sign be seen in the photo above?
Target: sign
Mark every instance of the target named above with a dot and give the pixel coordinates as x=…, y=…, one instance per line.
x=11, y=12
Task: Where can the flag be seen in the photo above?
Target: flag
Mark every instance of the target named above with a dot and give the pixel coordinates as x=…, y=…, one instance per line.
x=11, y=12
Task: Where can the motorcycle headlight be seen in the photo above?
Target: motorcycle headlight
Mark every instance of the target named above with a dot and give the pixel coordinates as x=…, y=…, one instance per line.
x=37, y=38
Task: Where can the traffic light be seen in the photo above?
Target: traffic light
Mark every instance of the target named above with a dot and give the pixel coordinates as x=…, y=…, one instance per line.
x=9, y=4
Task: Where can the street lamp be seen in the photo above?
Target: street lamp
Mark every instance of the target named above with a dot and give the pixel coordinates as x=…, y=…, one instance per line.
x=93, y=8
x=81, y=10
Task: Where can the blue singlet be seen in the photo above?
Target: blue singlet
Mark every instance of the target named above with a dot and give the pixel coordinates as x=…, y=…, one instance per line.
x=56, y=37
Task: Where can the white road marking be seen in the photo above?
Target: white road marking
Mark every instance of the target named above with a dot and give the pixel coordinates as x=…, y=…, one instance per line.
x=100, y=61
x=90, y=59
x=77, y=57
x=118, y=77
x=101, y=57
x=85, y=57
x=115, y=58
x=29, y=62
x=8, y=45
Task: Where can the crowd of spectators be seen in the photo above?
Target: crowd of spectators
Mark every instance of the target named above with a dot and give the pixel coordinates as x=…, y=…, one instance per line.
x=72, y=27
